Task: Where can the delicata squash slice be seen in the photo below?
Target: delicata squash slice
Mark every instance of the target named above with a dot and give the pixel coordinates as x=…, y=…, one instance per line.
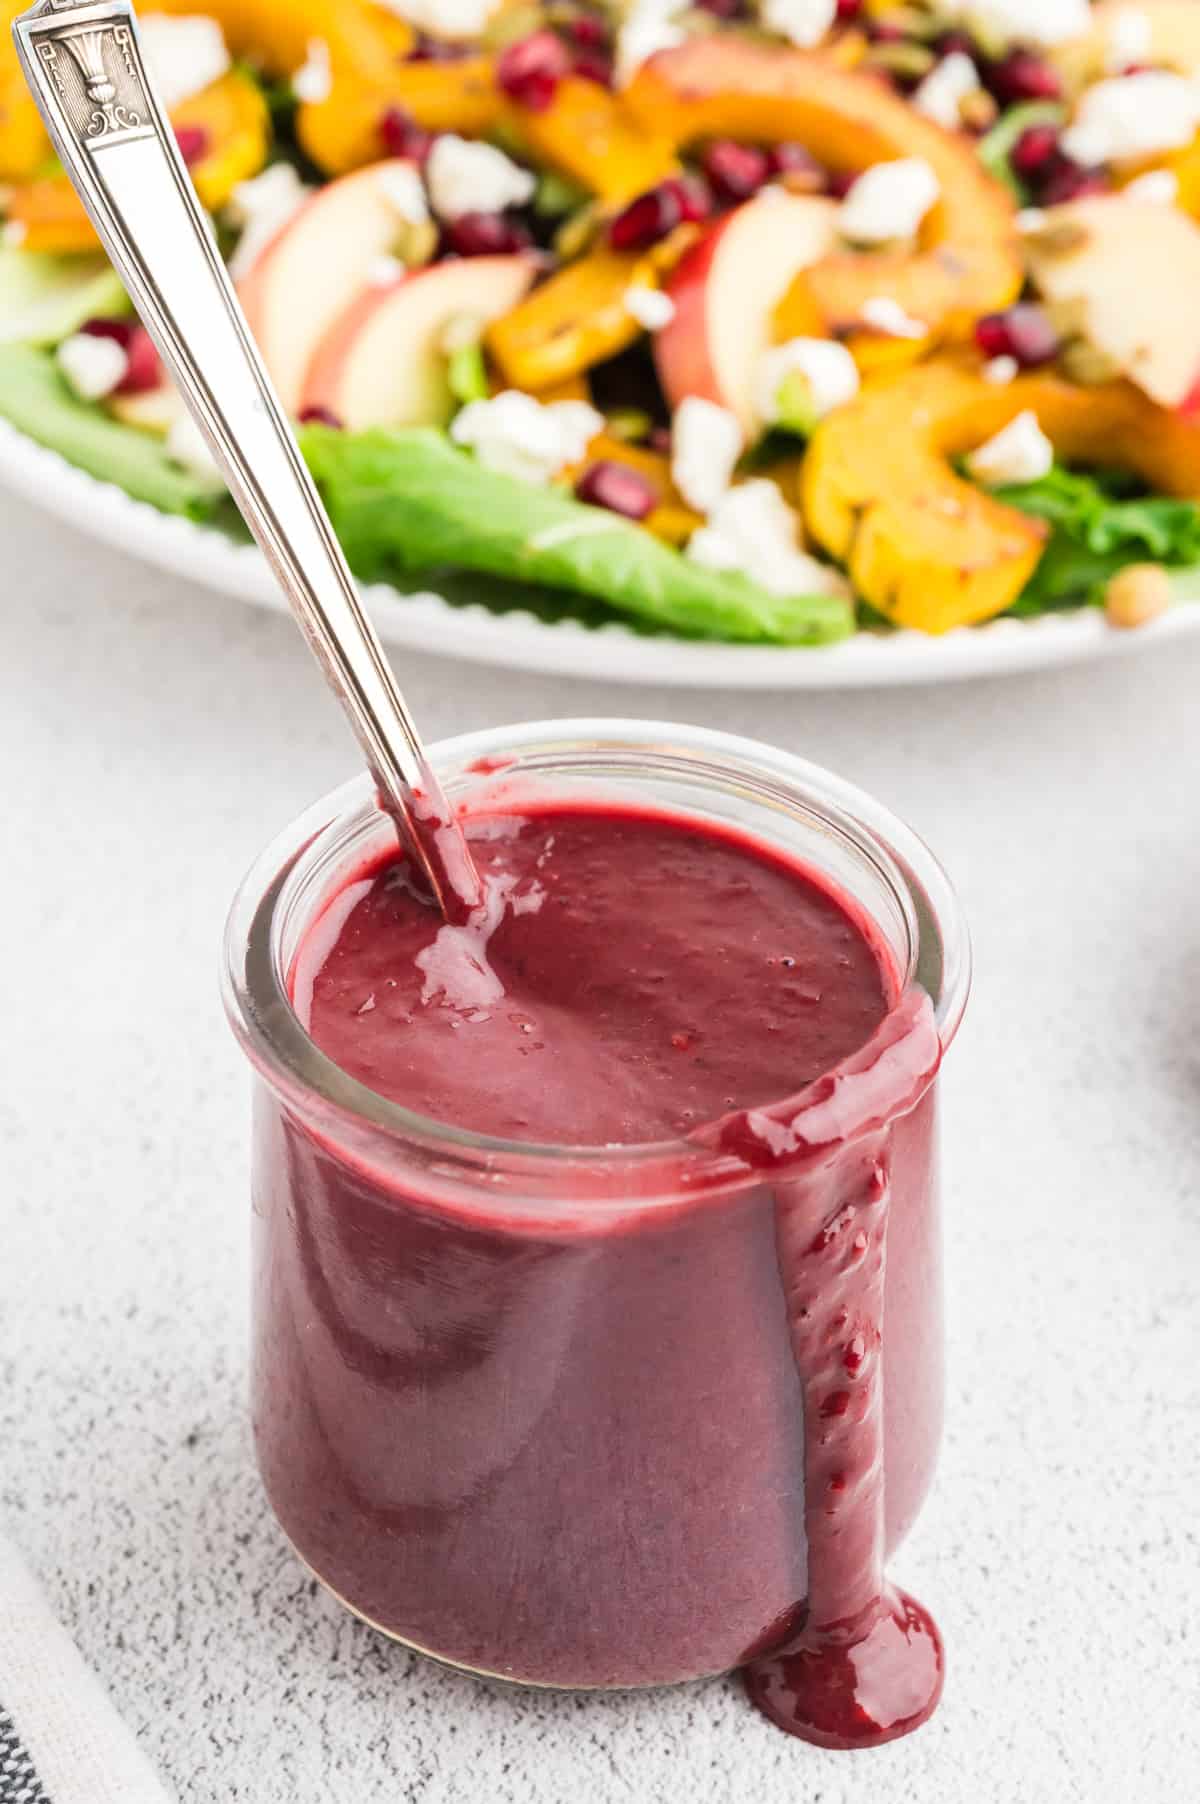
x=229, y=121
x=967, y=261
x=929, y=549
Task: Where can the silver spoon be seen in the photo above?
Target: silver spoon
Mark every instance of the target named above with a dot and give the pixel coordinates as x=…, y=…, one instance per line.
x=85, y=68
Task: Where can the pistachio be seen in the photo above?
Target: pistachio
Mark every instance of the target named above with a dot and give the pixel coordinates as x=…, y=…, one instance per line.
x=1087, y=364
x=418, y=242
x=978, y=110
x=577, y=231
x=1136, y=595
x=911, y=60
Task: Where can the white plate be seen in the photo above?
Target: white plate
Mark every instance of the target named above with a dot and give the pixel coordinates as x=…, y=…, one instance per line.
x=520, y=640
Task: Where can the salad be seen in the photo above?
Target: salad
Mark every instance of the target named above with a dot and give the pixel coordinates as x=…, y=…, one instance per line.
x=755, y=320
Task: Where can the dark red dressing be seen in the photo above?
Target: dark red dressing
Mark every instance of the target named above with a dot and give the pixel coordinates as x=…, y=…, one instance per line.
x=629, y=978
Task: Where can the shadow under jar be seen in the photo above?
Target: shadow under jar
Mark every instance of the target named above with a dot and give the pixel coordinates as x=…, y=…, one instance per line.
x=559, y=1414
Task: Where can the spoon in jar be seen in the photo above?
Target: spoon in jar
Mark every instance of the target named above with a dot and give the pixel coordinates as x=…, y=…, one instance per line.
x=84, y=65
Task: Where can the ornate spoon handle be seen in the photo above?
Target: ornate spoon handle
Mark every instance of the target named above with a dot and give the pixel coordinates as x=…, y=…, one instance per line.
x=84, y=65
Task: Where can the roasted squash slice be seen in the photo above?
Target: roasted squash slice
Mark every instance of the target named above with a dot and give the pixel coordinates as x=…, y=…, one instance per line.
x=24, y=146
x=590, y=136
x=930, y=550
x=968, y=260
x=342, y=132
x=233, y=115
x=276, y=34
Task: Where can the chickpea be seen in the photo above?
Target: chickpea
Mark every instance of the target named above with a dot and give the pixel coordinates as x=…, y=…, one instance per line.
x=1137, y=594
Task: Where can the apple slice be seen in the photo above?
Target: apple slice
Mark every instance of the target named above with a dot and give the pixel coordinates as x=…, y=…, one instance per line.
x=725, y=293
x=1127, y=272
x=314, y=266
x=381, y=362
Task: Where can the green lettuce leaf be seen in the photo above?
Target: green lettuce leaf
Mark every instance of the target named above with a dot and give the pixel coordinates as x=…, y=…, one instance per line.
x=34, y=397
x=408, y=504
x=1097, y=528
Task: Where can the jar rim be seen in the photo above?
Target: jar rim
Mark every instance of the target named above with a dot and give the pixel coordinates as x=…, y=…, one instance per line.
x=257, y=994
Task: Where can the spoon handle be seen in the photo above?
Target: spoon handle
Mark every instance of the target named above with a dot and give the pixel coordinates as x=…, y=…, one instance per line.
x=85, y=68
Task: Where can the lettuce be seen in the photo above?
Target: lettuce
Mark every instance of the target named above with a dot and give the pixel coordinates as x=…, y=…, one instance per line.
x=1097, y=527
x=34, y=397
x=408, y=504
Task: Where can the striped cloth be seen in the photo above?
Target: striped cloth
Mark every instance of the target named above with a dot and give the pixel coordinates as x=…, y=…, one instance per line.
x=61, y=1741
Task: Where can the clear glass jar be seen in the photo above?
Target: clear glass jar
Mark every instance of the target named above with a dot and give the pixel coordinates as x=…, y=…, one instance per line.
x=534, y=1410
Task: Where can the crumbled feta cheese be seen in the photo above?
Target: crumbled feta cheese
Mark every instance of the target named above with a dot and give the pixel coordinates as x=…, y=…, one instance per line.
x=706, y=442
x=1129, y=37
x=519, y=436
x=455, y=19
x=1019, y=452
x=184, y=55
x=384, y=271
x=260, y=207
x=650, y=307
x=752, y=529
x=802, y=22
x=889, y=200
x=648, y=27
x=1000, y=370
x=93, y=367
x=1159, y=186
x=1030, y=220
x=884, y=314
x=1133, y=116
x=401, y=184
x=468, y=177
x=1001, y=22
x=829, y=371
x=188, y=446
x=944, y=89
x=313, y=81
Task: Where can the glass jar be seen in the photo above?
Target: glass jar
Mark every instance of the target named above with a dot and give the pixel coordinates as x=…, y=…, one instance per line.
x=534, y=1410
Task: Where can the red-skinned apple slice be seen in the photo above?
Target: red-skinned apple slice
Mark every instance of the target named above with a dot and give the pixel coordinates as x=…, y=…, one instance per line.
x=1126, y=272
x=725, y=293
x=317, y=262
x=381, y=362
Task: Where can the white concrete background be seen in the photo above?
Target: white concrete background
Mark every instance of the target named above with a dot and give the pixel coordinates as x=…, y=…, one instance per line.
x=153, y=737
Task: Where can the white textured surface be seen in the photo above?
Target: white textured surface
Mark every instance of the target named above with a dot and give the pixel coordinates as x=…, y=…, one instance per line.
x=153, y=738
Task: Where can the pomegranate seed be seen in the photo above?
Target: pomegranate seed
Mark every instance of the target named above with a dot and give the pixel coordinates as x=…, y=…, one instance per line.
x=403, y=137
x=193, y=142
x=1023, y=76
x=588, y=31
x=835, y=1404
x=436, y=50
x=1037, y=146
x=618, y=488
x=485, y=235
x=783, y=158
x=647, y=219
x=849, y=9
x=319, y=416
x=692, y=193
x=1023, y=332
x=880, y=32
x=530, y=70
x=960, y=41
x=841, y=182
x=659, y=439
x=143, y=370
x=736, y=171
x=721, y=9
x=1071, y=182
x=121, y=330
x=594, y=65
